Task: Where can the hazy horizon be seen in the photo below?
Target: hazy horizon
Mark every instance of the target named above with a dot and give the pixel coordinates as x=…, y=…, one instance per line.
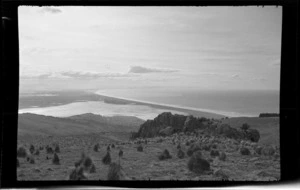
x=142, y=48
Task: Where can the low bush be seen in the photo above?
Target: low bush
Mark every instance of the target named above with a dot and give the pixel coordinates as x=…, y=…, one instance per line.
x=165, y=155
x=106, y=159
x=197, y=164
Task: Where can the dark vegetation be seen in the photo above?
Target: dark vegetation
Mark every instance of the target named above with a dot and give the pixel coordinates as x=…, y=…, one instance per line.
x=269, y=115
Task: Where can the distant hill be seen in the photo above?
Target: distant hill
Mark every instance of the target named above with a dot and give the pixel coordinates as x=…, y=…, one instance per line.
x=33, y=124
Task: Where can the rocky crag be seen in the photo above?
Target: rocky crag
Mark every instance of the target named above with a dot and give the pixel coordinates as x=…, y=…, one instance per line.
x=166, y=124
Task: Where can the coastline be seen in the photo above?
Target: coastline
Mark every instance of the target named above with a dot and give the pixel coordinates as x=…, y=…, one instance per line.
x=108, y=105
x=189, y=110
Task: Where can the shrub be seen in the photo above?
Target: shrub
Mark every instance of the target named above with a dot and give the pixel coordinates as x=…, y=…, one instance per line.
x=31, y=160
x=140, y=148
x=93, y=169
x=108, y=148
x=106, y=159
x=55, y=159
x=206, y=147
x=214, y=153
x=197, y=164
x=245, y=127
x=193, y=148
x=57, y=149
x=113, y=145
x=37, y=152
x=121, y=153
x=214, y=146
x=268, y=151
x=245, y=151
x=77, y=174
x=18, y=163
x=114, y=172
x=178, y=146
x=96, y=147
x=223, y=173
x=165, y=155
x=258, y=150
x=187, y=143
x=222, y=156
x=31, y=149
x=49, y=150
x=21, y=152
x=180, y=154
x=87, y=162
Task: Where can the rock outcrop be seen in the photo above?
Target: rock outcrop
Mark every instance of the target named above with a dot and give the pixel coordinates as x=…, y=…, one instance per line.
x=166, y=124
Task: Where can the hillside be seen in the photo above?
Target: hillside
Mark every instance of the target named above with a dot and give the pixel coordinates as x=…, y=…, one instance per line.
x=33, y=124
x=268, y=127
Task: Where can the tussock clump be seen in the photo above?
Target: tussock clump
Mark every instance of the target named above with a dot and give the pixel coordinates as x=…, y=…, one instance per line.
x=193, y=148
x=245, y=151
x=197, y=164
x=22, y=152
x=49, y=150
x=180, y=154
x=55, y=159
x=113, y=145
x=106, y=159
x=222, y=156
x=87, y=162
x=214, y=146
x=214, y=153
x=222, y=173
x=140, y=148
x=37, y=152
x=258, y=150
x=268, y=151
x=57, y=149
x=96, y=147
x=115, y=172
x=18, y=163
x=93, y=169
x=108, y=148
x=77, y=174
x=31, y=149
x=206, y=147
x=31, y=160
x=187, y=143
x=165, y=155
x=178, y=146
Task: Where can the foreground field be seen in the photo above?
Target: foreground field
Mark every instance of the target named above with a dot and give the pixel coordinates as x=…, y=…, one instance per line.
x=146, y=165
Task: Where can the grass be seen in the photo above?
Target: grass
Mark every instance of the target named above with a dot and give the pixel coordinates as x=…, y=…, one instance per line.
x=143, y=165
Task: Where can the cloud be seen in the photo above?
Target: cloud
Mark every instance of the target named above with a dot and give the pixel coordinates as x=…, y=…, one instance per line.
x=74, y=75
x=93, y=75
x=141, y=70
x=235, y=76
x=262, y=79
x=51, y=10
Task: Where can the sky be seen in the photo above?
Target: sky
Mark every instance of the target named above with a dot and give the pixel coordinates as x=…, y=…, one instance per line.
x=224, y=48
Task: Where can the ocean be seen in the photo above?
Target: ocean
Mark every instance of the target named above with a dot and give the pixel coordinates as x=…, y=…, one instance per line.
x=228, y=103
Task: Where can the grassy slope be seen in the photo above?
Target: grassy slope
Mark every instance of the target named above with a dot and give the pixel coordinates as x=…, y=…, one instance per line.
x=267, y=127
x=32, y=124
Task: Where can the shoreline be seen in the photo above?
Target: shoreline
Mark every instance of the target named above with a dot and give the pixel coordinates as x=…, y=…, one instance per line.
x=153, y=108
x=177, y=107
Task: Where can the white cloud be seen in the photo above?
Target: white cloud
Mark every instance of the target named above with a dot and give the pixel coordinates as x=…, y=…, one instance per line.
x=140, y=69
x=51, y=10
